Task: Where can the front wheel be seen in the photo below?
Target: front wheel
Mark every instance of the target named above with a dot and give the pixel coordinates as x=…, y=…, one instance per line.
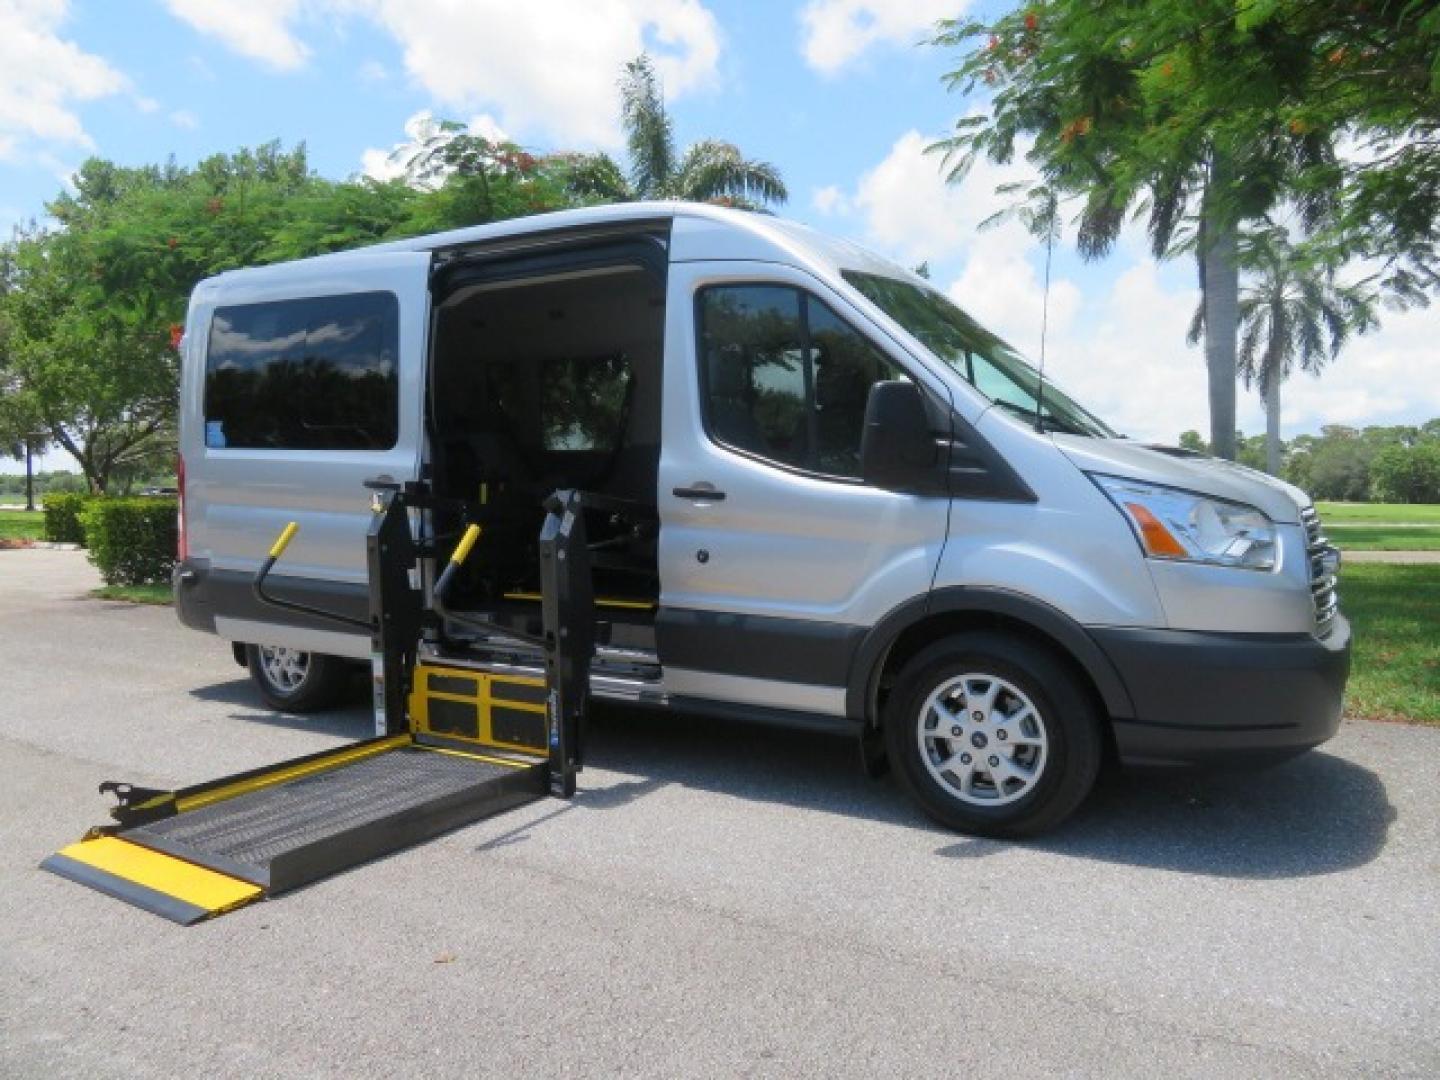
x=296, y=681
x=993, y=735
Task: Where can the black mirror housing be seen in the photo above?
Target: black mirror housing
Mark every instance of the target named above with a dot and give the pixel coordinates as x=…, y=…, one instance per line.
x=897, y=450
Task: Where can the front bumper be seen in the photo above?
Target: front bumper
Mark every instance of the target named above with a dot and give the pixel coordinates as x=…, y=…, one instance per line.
x=1209, y=697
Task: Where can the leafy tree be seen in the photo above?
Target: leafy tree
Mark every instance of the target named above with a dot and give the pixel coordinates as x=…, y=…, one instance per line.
x=98, y=380
x=1203, y=115
x=1291, y=314
x=1193, y=441
x=91, y=309
x=1098, y=88
x=1335, y=466
x=1367, y=72
x=468, y=179
x=709, y=171
x=1407, y=474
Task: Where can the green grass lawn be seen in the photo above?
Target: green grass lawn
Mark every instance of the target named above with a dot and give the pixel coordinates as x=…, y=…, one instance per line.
x=1381, y=526
x=134, y=594
x=1412, y=513
x=1382, y=538
x=22, y=525
x=1395, y=614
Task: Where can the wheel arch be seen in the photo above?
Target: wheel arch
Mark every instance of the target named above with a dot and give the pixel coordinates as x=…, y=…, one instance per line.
x=913, y=625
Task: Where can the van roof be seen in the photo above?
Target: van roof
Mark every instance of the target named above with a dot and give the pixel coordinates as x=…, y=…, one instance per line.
x=766, y=235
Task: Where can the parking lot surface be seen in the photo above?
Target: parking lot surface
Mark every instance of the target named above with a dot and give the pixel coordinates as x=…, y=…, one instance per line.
x=719, y=900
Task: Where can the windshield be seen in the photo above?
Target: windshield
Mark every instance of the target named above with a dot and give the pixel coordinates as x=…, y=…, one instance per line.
x=977, y=356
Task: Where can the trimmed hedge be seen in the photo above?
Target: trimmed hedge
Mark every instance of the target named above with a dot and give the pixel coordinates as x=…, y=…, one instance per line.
x=131, y=541
x=62, y=517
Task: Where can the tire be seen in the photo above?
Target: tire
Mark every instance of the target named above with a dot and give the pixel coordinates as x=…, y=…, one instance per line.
x=294, y=681
x=1019, y=783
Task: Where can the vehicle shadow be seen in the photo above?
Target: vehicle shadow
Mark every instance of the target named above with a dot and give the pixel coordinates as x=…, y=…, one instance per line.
x=353, y=721
x=1317, y=814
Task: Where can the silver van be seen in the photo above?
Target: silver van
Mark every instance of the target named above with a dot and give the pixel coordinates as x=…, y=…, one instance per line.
x=832, y=499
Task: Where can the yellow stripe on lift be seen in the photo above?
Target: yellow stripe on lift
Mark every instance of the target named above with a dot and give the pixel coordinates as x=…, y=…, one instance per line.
x=475, y=757
x=600, y=601
x=294, y=772
x=186, y=882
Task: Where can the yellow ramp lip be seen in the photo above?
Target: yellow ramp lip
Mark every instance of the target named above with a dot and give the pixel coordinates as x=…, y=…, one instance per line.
x=178, y=890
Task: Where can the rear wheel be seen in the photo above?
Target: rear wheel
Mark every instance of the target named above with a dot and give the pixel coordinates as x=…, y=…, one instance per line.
x=293, y=680
x=993, y=735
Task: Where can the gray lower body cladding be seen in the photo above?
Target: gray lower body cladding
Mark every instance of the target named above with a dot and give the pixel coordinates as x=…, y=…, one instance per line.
x=202, y=593
x=1207, y=697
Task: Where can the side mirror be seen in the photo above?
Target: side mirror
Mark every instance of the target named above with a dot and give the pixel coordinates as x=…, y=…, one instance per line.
x=897, y=451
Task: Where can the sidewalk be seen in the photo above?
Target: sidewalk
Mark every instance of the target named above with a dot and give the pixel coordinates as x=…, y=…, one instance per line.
x=1407, y=558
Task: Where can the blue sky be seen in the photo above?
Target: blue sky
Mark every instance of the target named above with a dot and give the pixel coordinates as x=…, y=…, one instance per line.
x=840, y=94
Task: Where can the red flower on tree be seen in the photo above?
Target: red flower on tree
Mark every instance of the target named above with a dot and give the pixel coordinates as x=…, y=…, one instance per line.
x=177, y=335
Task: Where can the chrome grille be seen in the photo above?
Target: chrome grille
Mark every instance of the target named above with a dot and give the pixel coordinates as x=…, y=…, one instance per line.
x=1322, y=582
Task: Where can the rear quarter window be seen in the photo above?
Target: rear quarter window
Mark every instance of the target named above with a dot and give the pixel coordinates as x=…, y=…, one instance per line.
x=320, y=373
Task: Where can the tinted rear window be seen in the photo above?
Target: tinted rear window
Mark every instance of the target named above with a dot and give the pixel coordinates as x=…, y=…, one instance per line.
x=313, y=374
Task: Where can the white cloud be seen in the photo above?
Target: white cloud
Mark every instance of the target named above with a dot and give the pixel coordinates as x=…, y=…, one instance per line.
x=830, y=200
x=835, y=32
x=43, y=76
x=372, y=71
x=384, y=165
x=1001, y=287
x=185, y=119
x=258, y=29
x=1127, y=360
x=487, y=127
x=543, y=69
x=549, y=69
x=1383, y=378
x=912, y=212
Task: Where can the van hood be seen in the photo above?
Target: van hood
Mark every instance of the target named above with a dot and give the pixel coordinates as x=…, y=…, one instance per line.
x=1174, y=467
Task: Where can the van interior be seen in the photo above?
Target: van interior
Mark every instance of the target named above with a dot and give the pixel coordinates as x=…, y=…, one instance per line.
x=541, y=383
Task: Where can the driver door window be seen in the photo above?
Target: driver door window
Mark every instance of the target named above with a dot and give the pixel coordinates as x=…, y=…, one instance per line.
x=785, y=379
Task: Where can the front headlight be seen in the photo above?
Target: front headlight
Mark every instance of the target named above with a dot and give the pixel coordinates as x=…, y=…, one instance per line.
x=1175, y=524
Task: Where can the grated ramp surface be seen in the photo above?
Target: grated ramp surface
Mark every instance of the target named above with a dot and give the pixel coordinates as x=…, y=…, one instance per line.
x=256, y=828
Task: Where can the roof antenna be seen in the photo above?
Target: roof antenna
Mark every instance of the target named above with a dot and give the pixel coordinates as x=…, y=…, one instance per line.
x=1050, y=212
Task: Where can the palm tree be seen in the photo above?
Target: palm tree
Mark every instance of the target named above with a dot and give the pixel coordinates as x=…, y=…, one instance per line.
x=709, y=171
x=1292, y=314
x=1070, y=78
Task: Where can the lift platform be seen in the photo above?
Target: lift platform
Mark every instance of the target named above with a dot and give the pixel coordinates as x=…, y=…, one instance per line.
x=452, y=747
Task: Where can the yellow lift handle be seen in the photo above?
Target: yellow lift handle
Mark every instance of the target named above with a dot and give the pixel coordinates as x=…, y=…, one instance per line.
x=462, y=549
x=457, y=557
x=283, y=540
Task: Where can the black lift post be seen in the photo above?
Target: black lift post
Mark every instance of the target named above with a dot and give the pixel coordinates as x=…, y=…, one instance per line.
x=568, y=617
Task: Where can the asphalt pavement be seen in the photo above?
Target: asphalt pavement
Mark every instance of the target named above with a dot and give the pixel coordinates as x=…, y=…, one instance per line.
x=719, y=900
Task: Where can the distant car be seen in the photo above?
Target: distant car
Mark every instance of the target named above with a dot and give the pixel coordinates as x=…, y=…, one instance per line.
x=160, y=491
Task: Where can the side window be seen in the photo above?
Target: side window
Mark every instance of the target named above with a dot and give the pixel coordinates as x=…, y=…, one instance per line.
x=313, y=374
x=783, y=377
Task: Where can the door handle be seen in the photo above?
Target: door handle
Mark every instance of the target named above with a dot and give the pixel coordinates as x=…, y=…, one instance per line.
x=700, y=490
